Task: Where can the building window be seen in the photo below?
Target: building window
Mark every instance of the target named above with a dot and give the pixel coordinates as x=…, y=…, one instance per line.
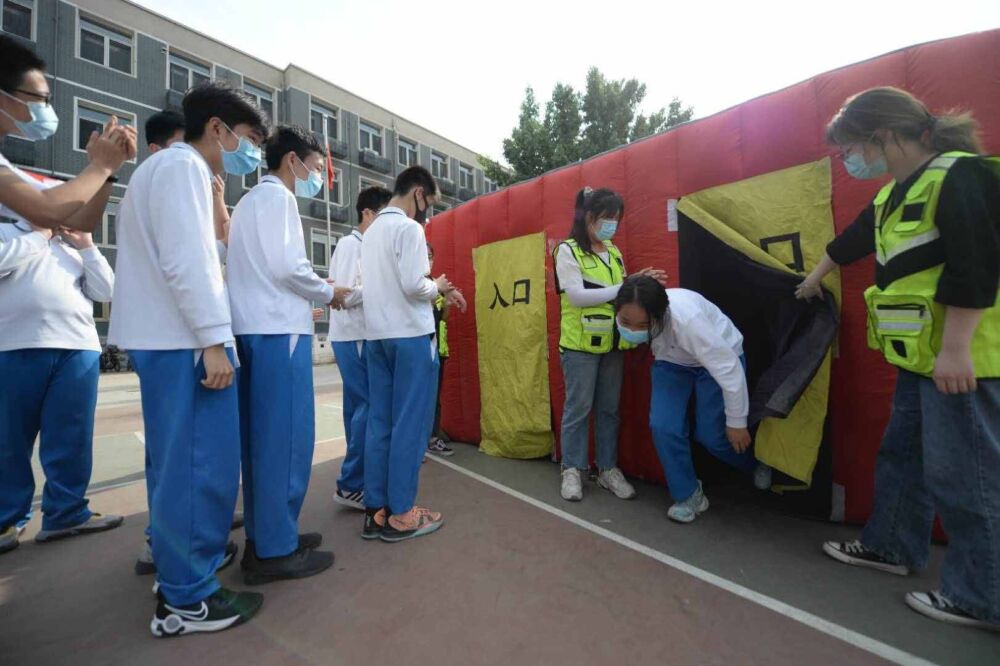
x=92, y=117
x=439, y=165
x=371, y=137
x=335, y=192
x=407, y=153
x=186, y=74
x=489, y=185
x=323, y=120
x=105, y=233
x=111, y=47
x=320, y=248
x=17, y=17
x=365, y=184
x=251, y=179
x=100, y=311
x=264, y=98
x=466, y=177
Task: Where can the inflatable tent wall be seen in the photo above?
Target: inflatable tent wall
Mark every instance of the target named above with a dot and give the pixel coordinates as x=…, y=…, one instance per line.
x=777, y=131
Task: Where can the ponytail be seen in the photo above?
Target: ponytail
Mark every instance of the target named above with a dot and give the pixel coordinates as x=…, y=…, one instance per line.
x=954, y=131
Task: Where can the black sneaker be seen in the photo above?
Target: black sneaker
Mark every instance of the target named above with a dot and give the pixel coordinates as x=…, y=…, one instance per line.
x=437, y=446
x=300, y=564
x=307, y=541
x=222, y=610
x=354, y=500
x=227, y=558
x=854, y=553
x=374, y=523
x=938, y=607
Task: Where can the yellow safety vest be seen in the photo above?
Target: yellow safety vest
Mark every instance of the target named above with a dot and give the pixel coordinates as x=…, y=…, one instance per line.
x=904, y=321
x=442, y=332
x=591, y=329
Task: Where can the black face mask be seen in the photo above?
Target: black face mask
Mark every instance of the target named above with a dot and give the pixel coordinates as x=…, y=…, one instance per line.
x=420, y=215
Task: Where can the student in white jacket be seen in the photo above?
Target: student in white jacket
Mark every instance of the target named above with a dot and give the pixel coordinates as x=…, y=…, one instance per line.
x=699, y=354
x=49, y=278
x=347, y=335
x=402, y=359
x=171, y=314
x=271, y=290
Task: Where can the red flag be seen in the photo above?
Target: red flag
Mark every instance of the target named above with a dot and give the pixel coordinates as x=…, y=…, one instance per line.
x=329, y=166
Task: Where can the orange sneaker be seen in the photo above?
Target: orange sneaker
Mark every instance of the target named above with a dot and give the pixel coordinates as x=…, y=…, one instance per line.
x=418, y=521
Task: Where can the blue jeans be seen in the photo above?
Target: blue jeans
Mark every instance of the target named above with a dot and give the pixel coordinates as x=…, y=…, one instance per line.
x=193, y=442
x=942, y=452
x=52, y=391
x=593, y=381
x=402, y=378
x=354, y=373
x=277, y=435
x=673, y=387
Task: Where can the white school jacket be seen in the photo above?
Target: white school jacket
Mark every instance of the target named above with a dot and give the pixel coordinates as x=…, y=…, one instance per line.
x=169, y=293
x=271, y=282
x=348, y=325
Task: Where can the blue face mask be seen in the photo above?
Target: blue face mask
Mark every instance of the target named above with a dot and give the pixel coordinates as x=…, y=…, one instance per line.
x=43, y=124
x=632, y=337
x=606, y=229
x=245, y=159
x=858, y=168
x=309, y=187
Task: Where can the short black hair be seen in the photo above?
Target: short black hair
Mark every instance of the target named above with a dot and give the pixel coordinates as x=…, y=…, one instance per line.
x=17, y=60
x=162, y=125
x=415, y=176
x=287, y=139
x=217, y=99
x=372, y=198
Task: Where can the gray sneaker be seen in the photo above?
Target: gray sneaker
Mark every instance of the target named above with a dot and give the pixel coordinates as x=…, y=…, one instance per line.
x=96, y=523
x=613, y=480
x=571, y=488
x=688, y=510
x=762, y=477
x=8, y=539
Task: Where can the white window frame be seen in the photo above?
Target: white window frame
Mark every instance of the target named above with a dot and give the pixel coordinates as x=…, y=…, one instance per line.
x=368, y=182
x=99, y=108
x=32, y=6
x=105, y=312
x=362, y=122
x=489, y=185
x=326, y=240
x=109, y=31
x=447, y=164
x=259, y=92
x=466, y=172
x=187, y=61
x=260, y=174
x=416, y=151
x=327, y=111
x=103, y=224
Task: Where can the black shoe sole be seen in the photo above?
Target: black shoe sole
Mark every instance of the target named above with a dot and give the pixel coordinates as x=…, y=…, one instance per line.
x=144, y=568
x=75, y=532
x=9, y=547
x=394, y=536
x=263, y=578
x=371, y=536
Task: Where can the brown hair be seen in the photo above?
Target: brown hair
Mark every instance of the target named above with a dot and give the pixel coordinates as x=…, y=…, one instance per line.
x=907, y=118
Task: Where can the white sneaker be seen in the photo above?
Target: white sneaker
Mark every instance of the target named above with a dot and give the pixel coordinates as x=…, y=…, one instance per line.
x=613, y=480
x=572, y=486
x=762, y=477
x=688, y=510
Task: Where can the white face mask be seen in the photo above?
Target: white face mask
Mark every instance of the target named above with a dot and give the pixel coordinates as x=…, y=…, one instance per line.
x=44, y=121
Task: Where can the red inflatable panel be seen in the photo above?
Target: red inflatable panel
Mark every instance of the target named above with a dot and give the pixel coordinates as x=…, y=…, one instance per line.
x=772, y=132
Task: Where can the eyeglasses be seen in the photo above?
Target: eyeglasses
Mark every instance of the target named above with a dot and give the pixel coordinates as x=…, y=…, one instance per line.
x=44, y=97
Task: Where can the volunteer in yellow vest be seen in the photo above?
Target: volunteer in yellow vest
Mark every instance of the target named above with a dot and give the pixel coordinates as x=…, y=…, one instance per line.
x=589, y=272
x=438, y=442
x=933, y=312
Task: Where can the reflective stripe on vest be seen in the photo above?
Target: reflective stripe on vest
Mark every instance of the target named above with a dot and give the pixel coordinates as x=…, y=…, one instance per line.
x=591, y=329
x=904, y=321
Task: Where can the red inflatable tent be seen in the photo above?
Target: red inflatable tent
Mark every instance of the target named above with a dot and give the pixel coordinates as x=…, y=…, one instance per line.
x=772, y=132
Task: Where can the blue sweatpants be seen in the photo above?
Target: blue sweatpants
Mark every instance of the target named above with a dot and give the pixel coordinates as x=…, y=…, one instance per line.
x=278, y=434
x=193, y=443
x=402, y=377
x=52, y=391
x=354, y=373
x=673, y=387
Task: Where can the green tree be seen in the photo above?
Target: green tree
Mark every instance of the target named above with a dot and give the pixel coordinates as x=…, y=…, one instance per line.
x=608, y=112
x=528, y=150
x=562, y=124
x=497, y=172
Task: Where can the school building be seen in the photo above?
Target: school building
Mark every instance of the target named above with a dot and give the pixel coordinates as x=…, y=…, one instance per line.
x=114, y=57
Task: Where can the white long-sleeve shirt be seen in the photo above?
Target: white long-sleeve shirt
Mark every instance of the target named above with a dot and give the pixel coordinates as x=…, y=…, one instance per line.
x=271, y=282
x=47, y=287
x=348, y=324
x=571, y=280
x=700, y=335
x=169, y=293
x=397, y=290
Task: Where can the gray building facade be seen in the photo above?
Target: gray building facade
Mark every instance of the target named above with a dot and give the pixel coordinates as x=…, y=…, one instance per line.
x=112, y=57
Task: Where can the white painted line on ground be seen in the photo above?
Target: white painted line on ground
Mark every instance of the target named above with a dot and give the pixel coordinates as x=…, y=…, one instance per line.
x=141, y=436
x=338, y=408
x=866, y=643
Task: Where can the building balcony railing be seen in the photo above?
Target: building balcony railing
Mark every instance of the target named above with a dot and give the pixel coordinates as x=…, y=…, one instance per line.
x=317, y=209
x=337, y=147
x=447, y=186
x=374, y=161
x=466, y=193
